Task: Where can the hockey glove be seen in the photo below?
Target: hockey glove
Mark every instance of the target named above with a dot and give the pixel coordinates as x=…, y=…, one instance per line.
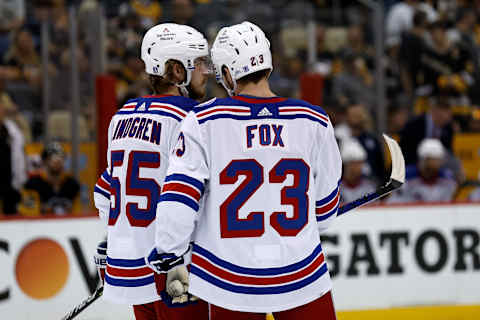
x=176, y=292
x=101, y=259
x=161, y=263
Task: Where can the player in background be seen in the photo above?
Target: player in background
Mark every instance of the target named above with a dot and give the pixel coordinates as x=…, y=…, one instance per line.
x=141, y=136
x=266, y=170
x=354, y=183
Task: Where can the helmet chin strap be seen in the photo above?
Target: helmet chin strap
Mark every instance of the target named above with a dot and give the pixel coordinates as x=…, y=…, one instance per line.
x=183, y=90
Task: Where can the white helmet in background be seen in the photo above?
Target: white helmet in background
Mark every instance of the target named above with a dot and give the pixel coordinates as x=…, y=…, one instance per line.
x=242, y=48
x=352, y=150
x=171, y=41
x=431, y=148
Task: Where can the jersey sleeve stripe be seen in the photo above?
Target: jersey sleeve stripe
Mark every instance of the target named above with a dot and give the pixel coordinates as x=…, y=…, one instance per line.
x=259, y=290
x=328, y=198
x=103, y=184
x=105, y=194
x=125, y=273
x=184, y=178
x=106, y=177
x=175, y=197
x=129, y=282
x=256, y=271
x=329, y=205
x=182, y=188
x=328, y=214
x=126, y=262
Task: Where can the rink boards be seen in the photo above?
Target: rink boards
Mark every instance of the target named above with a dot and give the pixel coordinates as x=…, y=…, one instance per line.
x=414, y=262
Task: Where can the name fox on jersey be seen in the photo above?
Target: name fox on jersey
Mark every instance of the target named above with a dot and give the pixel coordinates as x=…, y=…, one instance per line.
x=264, y=135
x=139, y=128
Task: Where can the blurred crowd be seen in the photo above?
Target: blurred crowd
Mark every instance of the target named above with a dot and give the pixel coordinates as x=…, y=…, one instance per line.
x=431, y=62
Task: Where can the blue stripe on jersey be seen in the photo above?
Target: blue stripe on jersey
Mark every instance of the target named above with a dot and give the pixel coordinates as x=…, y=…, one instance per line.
x=258, y=290
x=168, y=196
x=254, y=271
x=326, y=216
x=129, y=282
x=184, y=178
x=166, y=114
x=106, y=176
x=100, y=191
x=126, y=262
x=328, y=198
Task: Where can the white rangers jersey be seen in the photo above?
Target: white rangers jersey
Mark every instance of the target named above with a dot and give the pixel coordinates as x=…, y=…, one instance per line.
x=417, y=189
x=267, y=172
x=351, y=192
x=140, y=138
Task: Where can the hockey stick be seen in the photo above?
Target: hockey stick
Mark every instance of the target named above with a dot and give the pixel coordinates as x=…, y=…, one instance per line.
x=397, y=178
x=85, y=303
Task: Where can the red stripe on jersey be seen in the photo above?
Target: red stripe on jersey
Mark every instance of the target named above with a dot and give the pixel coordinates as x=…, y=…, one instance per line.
x=138, y=272
x=304, y=110
x=259, y=100
x=178, y=187
x=101, y=183
x=328, y=206
x=222, y=109
x=223, y=274
x=155, y=105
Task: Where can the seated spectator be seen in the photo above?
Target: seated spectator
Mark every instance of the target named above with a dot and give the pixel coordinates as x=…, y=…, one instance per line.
x=429, y=180
x=354, y=183
x=354, y=85
x=436, y=123
x=12, y=162
x=22, y=62
x=53, y=190
x=357, y=126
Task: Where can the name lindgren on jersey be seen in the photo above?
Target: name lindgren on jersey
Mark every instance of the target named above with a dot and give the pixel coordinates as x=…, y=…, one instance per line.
x=141, y=136
x=260, y=176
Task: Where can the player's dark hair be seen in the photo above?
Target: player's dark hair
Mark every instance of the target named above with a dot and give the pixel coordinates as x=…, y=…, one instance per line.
x=254, y=77
x=420, y=18
x=161, y=84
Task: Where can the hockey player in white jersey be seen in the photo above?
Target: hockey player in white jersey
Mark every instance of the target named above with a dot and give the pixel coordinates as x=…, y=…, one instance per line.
x=140, y=138
x=259, y=174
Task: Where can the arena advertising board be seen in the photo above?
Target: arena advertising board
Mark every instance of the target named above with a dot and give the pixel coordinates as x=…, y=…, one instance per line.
x=379, y=258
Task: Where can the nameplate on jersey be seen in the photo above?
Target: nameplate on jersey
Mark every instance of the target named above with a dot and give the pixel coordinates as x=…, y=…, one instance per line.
x=140, y=128
x=265, y=134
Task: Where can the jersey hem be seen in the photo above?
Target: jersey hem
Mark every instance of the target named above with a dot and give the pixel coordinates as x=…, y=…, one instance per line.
x=257, y=309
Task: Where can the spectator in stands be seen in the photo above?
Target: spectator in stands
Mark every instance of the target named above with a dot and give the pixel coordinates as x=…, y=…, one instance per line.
x=354, y=85
x=149, y=11
x=436, y=123
x=130, y=77
x=12, y=16
x=354, y=183
x=12, y=162
x=445, y=66
x=53, y=190
x=358, y=126
x=358, y=46
x=412, y=46
x=400, y=17
x=428, y=180
x=22, y=62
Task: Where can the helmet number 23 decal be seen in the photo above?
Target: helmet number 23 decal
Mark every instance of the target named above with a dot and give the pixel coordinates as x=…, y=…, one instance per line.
x=256, y=60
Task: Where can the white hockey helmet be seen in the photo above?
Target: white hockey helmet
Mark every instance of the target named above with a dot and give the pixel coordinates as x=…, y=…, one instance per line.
x=431, y=148
x=168, y=41
x=242, y=48
x=352, y=150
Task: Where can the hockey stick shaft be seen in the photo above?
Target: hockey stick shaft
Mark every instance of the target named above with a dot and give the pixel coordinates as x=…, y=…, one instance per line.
x=84, y=304
x=380, y=192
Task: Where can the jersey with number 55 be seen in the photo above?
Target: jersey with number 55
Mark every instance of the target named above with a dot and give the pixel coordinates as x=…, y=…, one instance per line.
x=267, y=172
x=141, y=136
